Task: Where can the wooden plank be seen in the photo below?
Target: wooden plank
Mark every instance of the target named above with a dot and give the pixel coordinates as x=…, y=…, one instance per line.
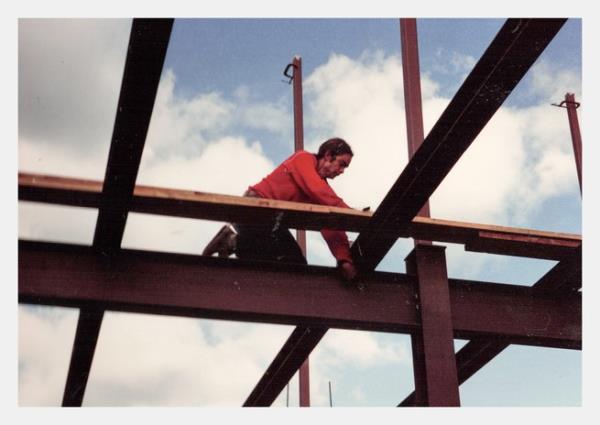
x=197, y=286
x=210, y=206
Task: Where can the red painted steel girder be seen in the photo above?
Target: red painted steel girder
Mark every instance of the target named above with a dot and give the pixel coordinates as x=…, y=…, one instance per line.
x=512, y=52
x=434, y=364
x=143, y=65
x=177, y=284
x=575, y=134
x=303, y=378
x=86, y=338
x=291, y=356
x=412, y=92
x=564, y=276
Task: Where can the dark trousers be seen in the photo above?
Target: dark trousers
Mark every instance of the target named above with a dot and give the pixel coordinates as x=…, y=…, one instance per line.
x=267, y=243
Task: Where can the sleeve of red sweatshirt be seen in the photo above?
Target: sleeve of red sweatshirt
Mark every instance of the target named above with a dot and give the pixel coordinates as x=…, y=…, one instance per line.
x=303, y=171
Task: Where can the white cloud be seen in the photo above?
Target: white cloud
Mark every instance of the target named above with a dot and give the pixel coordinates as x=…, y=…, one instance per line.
x=342, y=348
x=60, y=160
x=226, y=165
x=45, y=340
x=70, y=73
x=158, y=360
x=56, y=223
x=182, y=126
x=551, y=83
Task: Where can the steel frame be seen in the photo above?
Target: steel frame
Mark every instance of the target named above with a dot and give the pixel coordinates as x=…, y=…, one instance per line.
x=492, y=315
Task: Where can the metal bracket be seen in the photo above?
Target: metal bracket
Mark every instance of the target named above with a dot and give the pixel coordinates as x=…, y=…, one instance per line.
x=285, y=72
x=561, y=104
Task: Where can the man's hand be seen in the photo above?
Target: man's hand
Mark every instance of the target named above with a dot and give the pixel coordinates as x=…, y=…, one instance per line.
x=347, y=270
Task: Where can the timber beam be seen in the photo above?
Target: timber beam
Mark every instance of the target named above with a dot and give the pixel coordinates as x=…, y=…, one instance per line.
x=237, y=209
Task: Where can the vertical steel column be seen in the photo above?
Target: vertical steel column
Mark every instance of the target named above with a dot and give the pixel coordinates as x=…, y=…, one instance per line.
x=412, y=92
x=575, y=133
x=424, y=359
x=303, y=373
x=436, y=379
x=298, y=127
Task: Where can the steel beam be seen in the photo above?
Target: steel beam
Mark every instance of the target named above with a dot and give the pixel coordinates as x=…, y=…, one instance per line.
x=143, y=65
x=294, y=352
x=412, y=93
x=86, y=337
x=434, y=364
x=196, y=286
x=575, y=134
x=512, y=52
x=563, y=277
x=304, y=373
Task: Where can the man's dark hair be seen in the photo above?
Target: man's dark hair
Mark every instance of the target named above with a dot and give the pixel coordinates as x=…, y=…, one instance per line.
x=336, y=146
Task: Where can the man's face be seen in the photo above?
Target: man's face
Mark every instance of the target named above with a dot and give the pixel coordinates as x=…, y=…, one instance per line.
x=329, y=167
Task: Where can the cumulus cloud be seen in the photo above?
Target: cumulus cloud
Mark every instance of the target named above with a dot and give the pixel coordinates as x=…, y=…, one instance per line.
x=70, y=73
x=45, y=340
x=56, y=223
x=156, y=360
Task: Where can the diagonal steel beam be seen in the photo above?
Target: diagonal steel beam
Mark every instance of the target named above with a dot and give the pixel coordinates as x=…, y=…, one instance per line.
x=143, y=66
x=289, y=359
x=86, y=338
x=510, y=55
x=564, y=276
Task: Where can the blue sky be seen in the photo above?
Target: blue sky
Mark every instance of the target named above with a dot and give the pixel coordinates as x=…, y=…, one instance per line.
x=223, y=119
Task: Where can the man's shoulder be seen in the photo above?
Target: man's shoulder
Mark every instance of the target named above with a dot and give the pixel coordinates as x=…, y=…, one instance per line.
x=302, y=156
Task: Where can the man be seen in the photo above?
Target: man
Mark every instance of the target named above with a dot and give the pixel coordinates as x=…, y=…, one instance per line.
x=300, y=178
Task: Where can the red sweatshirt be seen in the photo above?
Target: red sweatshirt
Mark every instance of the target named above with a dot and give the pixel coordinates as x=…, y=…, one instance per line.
x=296, y=179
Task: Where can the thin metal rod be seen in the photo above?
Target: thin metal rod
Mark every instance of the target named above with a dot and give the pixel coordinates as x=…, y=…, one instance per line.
x=412, y=94
x=298, y=128
x=330, y=397
x=303, y=375
x=575, y=135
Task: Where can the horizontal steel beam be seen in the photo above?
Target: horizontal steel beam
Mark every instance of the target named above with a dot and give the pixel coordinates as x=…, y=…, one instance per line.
x=237, y=209
x=508, y=58
x=176, y=284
